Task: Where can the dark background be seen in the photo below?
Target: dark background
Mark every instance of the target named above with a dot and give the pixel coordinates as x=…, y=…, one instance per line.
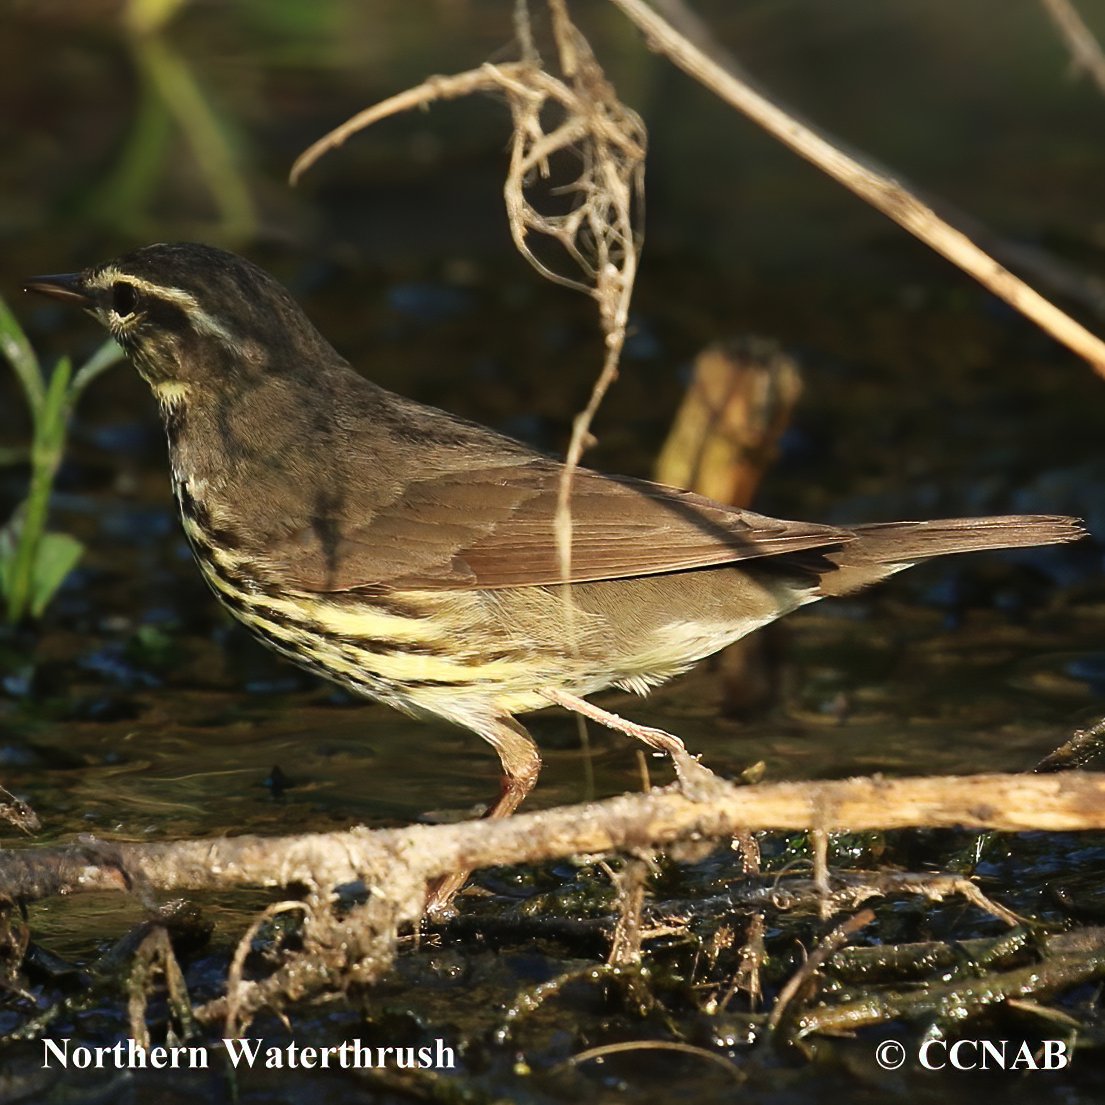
x=137, y=710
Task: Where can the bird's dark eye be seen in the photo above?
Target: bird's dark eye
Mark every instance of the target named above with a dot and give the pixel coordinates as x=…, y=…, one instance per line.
x=124, y=299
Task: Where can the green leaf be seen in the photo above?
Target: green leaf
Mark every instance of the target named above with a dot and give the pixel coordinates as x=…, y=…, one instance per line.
x=58, y=554
x=17, y=349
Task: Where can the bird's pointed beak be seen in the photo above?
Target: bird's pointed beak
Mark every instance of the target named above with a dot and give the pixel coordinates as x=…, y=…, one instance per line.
x=66, y=287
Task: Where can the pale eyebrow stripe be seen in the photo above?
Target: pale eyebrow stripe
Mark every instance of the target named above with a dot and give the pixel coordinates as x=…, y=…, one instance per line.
x=199, y=318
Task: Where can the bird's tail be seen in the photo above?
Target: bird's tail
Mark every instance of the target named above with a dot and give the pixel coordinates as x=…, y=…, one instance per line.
x=883, y=548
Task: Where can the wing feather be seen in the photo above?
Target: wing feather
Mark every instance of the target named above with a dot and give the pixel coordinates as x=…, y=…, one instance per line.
x=492, y=527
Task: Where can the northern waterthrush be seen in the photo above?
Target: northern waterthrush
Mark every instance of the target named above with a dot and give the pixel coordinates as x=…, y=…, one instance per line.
x=410, y=555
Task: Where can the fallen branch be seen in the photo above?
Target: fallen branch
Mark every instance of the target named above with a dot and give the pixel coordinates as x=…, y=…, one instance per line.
x=844, y=891
x=953, y=1002
x=361, y=889
x=385, y=859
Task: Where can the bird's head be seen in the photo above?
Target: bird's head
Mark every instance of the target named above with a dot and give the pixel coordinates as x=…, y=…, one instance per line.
x=192, y=317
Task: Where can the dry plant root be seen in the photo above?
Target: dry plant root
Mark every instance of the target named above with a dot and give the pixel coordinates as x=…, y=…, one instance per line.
x=576, y=115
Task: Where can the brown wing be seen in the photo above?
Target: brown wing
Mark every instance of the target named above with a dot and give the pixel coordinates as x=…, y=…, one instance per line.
x=492, y=526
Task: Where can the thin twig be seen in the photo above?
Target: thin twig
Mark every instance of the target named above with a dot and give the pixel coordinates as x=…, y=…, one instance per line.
x=600, y=232
x=834, y=940
x=881, y=191
x=1085, y=51
x=1084, y=746
x=430, y=90
x=234, y=982
x=624, y=1046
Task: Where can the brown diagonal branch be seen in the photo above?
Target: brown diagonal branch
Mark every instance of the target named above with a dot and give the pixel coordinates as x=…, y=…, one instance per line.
x=878, y=189
x=1085, y=51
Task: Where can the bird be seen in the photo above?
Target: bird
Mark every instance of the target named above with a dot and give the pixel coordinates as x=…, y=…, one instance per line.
x=410, y=555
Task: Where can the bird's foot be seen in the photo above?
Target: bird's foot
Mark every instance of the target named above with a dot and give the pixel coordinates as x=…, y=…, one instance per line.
x=697, y=781
x=439, y=901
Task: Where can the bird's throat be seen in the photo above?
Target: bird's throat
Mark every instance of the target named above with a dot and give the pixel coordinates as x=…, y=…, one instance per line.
x=170, y=393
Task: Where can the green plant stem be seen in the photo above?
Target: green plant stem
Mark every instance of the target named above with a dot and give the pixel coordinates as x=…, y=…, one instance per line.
x=123, y=196
x=168, y=73
x=149, y=16
x=17, y=349
x=46, y=454
x=33, y=563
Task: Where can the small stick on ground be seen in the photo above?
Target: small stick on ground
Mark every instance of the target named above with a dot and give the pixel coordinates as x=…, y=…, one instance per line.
x=819, y=839
x=952, y=1002
x=1084, y=746
x=630, y=883
x=835, y=939
x=18, y=813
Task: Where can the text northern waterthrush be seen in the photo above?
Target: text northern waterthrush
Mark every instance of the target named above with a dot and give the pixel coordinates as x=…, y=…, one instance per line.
x=410, y=555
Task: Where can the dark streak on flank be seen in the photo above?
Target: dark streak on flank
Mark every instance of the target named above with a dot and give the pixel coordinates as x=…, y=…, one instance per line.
x=240, y=586
x=175, y=418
